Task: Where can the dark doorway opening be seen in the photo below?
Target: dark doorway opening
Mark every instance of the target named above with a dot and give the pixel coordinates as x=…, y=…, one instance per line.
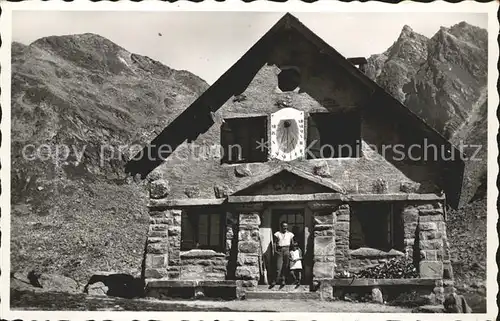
x=295, y=218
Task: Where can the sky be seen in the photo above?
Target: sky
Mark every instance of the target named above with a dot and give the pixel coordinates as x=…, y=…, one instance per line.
x=208, y=43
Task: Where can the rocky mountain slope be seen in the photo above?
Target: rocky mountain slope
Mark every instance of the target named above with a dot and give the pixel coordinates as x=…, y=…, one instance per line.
x=444, y=80
x=74, y=210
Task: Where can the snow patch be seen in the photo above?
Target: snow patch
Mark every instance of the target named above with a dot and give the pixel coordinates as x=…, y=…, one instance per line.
x=124, y=61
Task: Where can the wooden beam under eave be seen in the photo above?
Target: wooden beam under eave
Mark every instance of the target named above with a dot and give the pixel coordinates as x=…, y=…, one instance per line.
x=284, y=198
x=165, y=203
x=334, y=197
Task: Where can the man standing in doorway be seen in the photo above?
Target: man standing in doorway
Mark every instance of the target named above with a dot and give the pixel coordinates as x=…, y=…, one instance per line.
x=282, y=240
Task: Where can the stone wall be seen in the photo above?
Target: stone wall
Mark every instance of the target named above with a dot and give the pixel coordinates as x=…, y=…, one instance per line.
x=364, y=257
x=203, y=265
x=162, y=258
x=425, y=238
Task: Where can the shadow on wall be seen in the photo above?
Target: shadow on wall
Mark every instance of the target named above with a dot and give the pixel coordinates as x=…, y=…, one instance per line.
x=233, y=252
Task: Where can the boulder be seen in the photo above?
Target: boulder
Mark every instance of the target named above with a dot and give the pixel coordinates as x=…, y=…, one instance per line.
x=221, y=191
x=20, y=277
x=20, y=282
x=454, y=303
x=53, y=282
x=192, y=191
x=409, y=187
x=322, y=170
x=242, y=170
x=380, y=186
x=377, y=296
x=159, y=188
x=198, y=293
x=98, y=289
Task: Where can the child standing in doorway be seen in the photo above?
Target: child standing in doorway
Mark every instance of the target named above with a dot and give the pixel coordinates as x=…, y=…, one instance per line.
x=296, y=263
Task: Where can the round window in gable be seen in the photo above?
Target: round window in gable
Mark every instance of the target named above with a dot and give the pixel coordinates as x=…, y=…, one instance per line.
x=289, y=79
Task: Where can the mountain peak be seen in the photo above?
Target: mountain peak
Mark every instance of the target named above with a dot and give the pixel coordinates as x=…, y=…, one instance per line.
x=464, y=25
x=407, y=34
x=90, y=40
x=406, y=29
x=410, y=46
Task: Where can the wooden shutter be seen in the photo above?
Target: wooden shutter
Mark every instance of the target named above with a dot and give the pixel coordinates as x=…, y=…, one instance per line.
x=187, y=233
x=313, y=134
x=226, y=139
x=214, y=230
x=203, y=230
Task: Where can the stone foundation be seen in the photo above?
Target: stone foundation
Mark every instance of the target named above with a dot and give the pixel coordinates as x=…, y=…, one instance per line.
x=188, y=289
x=427, y=290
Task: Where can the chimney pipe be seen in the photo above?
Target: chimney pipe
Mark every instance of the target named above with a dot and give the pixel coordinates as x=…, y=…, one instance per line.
x=359, y=62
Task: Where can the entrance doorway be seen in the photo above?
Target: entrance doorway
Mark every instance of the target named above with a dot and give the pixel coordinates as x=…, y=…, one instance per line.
x=299, y=222
x=295, y=219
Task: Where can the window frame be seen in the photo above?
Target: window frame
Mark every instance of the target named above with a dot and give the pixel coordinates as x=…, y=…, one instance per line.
x=392, y=239
x=262, y=157
x=193, y=217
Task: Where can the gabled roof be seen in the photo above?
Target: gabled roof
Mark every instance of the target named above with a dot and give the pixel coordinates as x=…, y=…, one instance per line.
x=286, y=168
x=196, y=119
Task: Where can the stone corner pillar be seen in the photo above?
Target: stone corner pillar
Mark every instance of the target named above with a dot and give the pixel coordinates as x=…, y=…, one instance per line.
x=431, y=240
x=342, y=233
x=162, y=257
x=325, y=246
x=247, y=266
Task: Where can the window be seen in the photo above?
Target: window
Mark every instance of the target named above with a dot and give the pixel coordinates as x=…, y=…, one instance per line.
x=377, y=226
x=201, y=231
x=334, y=135
x=242, y=140
x=289, y=79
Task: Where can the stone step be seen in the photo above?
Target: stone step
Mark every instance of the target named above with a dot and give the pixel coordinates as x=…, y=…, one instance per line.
x=286, y=288
x=275, y=295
